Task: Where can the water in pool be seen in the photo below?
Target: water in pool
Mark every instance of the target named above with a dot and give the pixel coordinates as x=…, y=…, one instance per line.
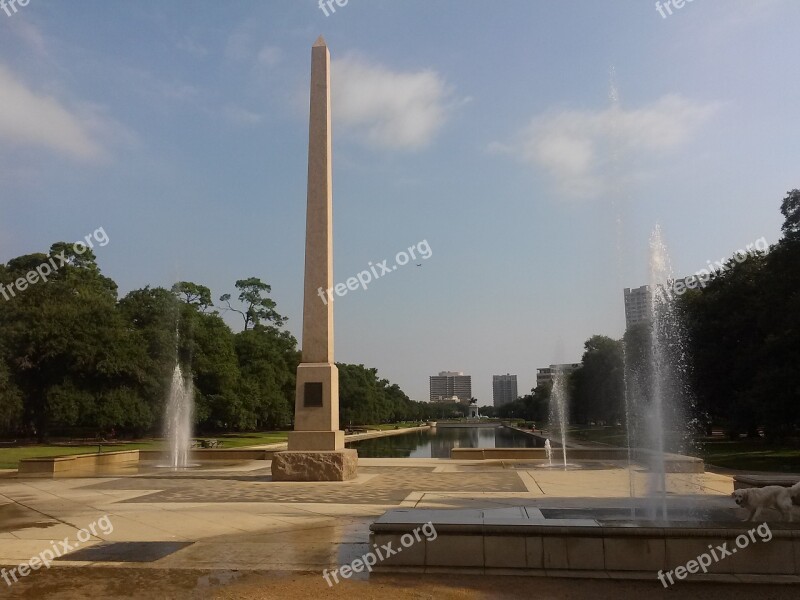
x=436, y=443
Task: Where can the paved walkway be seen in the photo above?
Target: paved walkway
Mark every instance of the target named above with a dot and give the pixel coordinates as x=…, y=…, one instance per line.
x=237, y=517
x=233, y=517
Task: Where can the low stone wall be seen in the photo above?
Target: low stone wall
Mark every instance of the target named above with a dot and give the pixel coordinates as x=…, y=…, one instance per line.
x=594, y=551
x=456, y=424
x=55, y=466
x=674, y=463
x=355, y=437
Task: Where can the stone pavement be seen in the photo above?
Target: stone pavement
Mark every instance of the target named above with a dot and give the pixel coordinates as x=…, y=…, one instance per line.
x=234, y=517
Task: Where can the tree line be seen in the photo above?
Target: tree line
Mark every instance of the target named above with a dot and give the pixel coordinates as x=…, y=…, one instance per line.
x=739, y=350
x=76, y=360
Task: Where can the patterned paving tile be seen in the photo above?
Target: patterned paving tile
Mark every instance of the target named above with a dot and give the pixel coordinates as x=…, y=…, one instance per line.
x=388, y=486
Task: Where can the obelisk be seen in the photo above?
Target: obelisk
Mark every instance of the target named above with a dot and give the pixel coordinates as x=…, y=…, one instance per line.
x=316, y=446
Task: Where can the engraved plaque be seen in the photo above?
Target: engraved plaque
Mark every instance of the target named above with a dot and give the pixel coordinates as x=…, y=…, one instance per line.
x=312, y=394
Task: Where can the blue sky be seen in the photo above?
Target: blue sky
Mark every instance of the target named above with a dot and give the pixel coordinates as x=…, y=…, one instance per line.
x=533, y=144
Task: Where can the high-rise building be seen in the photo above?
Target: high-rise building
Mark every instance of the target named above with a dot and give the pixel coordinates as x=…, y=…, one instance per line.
x=638, y=305
x=504, y=389
x=546, y=374
x=447, y=384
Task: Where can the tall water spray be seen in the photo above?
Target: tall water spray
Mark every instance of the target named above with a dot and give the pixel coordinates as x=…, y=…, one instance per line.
x=660, y=275
x=656, y=396
x=178, y=419
x=559, y=409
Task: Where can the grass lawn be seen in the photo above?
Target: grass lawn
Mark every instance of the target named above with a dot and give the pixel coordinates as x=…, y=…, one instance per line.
x=387, y=426
x=751, y=455
x=238, y=440
x=10, y=457
x=743, y=455
x=613, y=436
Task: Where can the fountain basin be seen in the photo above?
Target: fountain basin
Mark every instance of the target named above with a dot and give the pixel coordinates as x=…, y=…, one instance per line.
x=673, y=463
x=595, y=543
x=67, y=466
x=130, y=462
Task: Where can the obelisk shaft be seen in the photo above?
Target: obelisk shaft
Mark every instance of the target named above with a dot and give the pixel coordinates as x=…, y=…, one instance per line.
x=316, y=425
x=318, y=308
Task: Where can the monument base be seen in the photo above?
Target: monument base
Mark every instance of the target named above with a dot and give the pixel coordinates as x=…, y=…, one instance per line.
x=336, y=465
x=300, y=441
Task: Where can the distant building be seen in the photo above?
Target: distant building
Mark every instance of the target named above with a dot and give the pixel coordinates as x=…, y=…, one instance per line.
x=546, y=374
x=638, y=305
x=504, y=389
x=446, y=399
x=447, y=384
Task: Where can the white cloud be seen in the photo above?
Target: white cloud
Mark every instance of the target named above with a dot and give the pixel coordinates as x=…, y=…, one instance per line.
x=192, y=47
x=242, y=116
x=31, y=36
x=31, y=119
x=577, y=148
x=388, y=108
x=269, y=56
x=239, y=46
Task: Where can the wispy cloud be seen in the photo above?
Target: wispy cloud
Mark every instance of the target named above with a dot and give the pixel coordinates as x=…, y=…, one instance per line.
x=242, y=116
x=269, y=56
x=245, y=46
x=576, y=148
x=387, y=108
x=31, y=36
x=191, y=46
x=239, y=46
x=28, y=118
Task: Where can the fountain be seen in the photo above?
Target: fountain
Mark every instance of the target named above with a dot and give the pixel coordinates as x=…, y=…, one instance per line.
x=178, y=419
x=660, y=274
x=559, y=408
x=654, y=388
x=548, y=450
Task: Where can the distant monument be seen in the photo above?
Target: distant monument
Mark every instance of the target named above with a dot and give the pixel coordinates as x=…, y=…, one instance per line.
x=316, y=446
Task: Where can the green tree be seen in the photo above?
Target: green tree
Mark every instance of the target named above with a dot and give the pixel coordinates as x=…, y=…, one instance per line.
x=790, y=208
x=268, y=360
x=530, y=407
x=744, y=331
x=10, y=399
x=366, y=399
x=597, y=386
x=65, y=340
x=194, y=294
x=257, y=307
x=154, y=315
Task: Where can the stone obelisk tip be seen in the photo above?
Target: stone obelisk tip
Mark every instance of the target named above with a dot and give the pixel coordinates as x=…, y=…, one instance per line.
x=320, y=42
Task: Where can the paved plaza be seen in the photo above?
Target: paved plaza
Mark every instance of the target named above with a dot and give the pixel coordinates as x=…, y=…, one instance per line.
x=226, y=525
x=234, y=516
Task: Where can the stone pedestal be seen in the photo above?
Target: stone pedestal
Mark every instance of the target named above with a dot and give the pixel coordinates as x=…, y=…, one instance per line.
x=339, y=465
x=316, y=441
